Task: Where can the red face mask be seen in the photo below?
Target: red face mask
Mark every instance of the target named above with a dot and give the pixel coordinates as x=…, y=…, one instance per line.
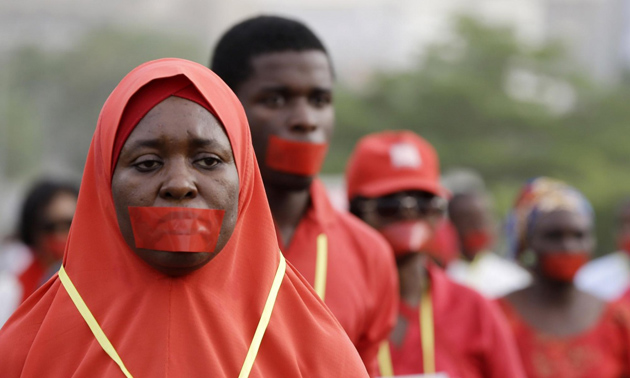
x=476, y=241
x=562, y=266
x=623, y=243
x=176, y=229
x=407, y=236
x=298, y=158
x=55, y=245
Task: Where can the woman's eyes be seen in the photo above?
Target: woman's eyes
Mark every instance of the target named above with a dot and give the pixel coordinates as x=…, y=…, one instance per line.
x=153, y=164
x=208, y=162
x=147, y=165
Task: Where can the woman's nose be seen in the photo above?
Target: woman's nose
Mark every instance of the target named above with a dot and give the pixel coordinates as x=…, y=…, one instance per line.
x=179, y=184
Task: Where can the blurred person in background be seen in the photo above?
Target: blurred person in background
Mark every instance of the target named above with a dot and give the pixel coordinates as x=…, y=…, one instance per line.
x=443, y=327
x=34, y=253
x=561, y=331
x=172, y=267
x=608, y=277
x=478, y=266
x=283, y=76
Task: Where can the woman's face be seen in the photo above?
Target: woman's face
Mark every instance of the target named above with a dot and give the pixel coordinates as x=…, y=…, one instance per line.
x=51, y=239
x=177, y=156
x=562, y=230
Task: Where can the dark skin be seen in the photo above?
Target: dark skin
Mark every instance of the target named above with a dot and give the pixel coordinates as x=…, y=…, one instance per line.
x=558, y=308
x=59, y=214
x=469, y=213
x=288, y=94
x=177, y=156
x=412, y=272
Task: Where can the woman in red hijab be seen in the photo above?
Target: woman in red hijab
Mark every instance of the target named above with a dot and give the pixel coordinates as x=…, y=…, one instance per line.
x=172, y=267
x=561, y=332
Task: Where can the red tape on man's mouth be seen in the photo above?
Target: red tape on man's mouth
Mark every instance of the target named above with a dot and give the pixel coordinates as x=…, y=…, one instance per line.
x=298, y=158
x=176, y=229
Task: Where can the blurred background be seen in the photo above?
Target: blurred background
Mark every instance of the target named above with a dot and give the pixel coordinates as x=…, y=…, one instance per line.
x=508, y=88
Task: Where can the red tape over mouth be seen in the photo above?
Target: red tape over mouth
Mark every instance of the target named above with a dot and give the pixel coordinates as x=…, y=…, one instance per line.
x=298, y=158
x=407, y=236
x=176, y=229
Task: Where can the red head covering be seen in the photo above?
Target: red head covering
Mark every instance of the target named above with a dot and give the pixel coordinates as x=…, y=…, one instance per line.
x=200, y=324
x=393, y=161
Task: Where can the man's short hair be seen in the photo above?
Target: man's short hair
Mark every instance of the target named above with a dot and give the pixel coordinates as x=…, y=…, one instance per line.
x=233, y=55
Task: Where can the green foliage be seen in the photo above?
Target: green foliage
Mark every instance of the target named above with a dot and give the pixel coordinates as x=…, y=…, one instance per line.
x=457, y=98
x=56, y=96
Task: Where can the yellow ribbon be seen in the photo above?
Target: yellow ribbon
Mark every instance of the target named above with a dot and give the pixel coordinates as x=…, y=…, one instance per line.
x=427, y=338
x=426, y=331
x=91, y=321
x=321, y=265
x=107, y=346
x=264, y=319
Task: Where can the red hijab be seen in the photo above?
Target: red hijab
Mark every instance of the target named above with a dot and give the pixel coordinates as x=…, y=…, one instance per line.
x=200, y=324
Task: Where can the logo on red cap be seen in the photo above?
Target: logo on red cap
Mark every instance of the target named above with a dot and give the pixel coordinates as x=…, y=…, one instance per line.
x=405, y=155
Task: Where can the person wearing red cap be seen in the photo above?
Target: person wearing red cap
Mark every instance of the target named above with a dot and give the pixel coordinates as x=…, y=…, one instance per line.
x=283, y=76
x=443, y=327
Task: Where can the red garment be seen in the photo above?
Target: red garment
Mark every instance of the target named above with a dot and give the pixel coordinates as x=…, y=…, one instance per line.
x=361, y=284
x=31, y=278
x=472, y=339
x=198, y=325
x=602, y=351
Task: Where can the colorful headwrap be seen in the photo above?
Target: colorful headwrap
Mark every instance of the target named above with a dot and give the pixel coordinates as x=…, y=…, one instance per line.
x=541, y=195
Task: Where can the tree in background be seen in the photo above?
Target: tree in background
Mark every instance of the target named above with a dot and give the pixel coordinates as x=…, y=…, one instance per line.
x=511, y=111
x=52, y=98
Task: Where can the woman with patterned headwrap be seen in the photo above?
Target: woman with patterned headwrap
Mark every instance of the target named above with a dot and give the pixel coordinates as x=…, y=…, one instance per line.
x=560, y=330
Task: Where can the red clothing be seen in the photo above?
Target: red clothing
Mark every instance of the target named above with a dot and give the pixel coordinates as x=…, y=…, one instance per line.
x=197, y=325
x=472, y=339
x=361, y=284
x=602, y=351
x=31, y=278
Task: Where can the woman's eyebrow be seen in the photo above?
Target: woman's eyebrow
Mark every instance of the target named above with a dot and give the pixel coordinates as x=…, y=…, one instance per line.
x=151, y=143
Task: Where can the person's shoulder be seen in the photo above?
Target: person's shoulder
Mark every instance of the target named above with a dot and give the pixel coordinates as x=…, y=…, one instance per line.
x=606, y=277
x=311, y=319
x=360, y=231
x=456, y=292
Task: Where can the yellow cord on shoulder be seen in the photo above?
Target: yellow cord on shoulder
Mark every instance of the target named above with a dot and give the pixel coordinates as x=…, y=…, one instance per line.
x=264, y=319
x=321, y=265
x=385, y=360
x=426, y=332
x=91, y=321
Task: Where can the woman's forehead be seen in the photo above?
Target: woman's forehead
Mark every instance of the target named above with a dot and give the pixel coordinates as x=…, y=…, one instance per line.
x=178, y=119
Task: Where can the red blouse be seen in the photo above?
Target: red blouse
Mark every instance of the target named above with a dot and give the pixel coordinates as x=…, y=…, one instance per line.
x=602, y=351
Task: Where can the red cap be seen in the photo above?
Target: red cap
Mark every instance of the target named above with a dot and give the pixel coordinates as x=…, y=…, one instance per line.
x=390, y=162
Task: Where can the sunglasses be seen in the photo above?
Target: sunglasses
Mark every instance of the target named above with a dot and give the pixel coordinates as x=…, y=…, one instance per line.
x=61, y=225
x=399, y=206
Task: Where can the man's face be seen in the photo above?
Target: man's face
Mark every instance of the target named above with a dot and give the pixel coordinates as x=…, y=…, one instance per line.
x=470, y=214
x=289, y=95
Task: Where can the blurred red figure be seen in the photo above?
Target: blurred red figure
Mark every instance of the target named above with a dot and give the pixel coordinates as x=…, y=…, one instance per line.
x=561, y=331
x=443, y=327
x=283, y=76
x=477, y=266
x=34, y=254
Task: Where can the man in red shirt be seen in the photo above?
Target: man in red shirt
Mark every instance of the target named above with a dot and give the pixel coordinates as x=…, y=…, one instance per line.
x=283, y=76
x=443, y=327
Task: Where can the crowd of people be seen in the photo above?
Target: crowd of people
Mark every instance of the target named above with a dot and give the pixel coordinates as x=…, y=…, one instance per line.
x=203, y=243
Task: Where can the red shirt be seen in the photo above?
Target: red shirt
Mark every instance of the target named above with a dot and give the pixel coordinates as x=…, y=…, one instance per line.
x=472, y=339
x=602, y=351
x=361, y=284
